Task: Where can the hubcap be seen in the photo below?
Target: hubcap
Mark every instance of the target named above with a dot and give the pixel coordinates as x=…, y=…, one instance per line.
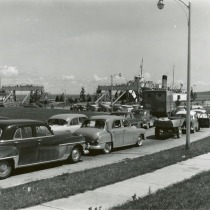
x=107, y=147
x=75, y=154
x=3, y=168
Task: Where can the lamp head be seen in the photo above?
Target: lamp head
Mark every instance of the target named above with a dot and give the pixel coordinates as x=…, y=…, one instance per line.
x=160, y=4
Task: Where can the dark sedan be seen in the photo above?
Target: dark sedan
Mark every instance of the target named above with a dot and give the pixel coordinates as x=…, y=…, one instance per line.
x=30, y=142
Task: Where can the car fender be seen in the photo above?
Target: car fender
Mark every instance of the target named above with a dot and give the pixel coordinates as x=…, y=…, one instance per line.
x=105, y=137
x=9, y=152
x=140, y=132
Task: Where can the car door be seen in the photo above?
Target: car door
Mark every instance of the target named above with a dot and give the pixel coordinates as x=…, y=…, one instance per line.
x=118, y=133
x=26, y=144
x=128, y=133
x=47, y=148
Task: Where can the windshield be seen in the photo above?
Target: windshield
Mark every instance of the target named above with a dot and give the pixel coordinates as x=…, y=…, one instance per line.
x=57, y=122
x=94, y=124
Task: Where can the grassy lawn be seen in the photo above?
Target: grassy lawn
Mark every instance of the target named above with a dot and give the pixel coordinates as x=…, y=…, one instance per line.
x=65, y=185
x=191, y=194
x=34, y=113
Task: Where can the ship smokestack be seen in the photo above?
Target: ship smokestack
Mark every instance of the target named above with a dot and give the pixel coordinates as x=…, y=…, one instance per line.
x=164, y=81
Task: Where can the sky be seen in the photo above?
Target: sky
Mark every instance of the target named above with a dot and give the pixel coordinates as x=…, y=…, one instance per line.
x=65, y=45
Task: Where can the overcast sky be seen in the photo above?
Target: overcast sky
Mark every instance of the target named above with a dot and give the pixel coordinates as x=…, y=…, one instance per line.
x=69, y=44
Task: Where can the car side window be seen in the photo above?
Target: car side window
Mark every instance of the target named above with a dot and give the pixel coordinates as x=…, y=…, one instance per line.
x=42, y=131
x=81, y=119
x=125, y=123
x=74, y=121
x=116, y=124
x=23, y=133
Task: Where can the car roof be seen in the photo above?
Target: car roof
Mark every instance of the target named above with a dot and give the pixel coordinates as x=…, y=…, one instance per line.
x=20, y=122
x=199, y=110
x=120, y=112
x=66, y=116
x=106, y=117
x=185, y=112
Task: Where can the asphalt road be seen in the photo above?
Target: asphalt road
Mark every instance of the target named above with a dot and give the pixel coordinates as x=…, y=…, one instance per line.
x=151, y=145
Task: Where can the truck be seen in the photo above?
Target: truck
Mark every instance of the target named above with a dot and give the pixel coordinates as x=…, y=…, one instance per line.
x=161, y=104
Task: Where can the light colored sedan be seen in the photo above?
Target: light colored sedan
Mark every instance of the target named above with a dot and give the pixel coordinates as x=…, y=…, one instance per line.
x=66, y=122
x=105, y=132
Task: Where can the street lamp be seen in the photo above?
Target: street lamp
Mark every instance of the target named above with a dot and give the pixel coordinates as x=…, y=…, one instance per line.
x=112, y=89
x=160, y=5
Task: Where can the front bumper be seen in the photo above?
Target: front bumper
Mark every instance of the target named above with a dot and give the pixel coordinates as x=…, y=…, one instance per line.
x=95, y=147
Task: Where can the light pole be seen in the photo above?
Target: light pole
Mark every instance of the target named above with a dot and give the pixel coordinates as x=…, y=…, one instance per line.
x=160, y=5
x=112, y=89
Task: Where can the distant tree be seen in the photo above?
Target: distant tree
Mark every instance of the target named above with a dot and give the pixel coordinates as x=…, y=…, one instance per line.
x=76, y=100
x=70, y=100
x=82, y=95
x=57, y=98
x=116, y=95
x=89, y=99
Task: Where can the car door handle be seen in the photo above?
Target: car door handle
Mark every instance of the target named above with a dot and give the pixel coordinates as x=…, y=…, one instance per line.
x=39, y=141
x=16, y=142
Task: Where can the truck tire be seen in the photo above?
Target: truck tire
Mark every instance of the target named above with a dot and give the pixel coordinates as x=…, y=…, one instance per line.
x=192, y=129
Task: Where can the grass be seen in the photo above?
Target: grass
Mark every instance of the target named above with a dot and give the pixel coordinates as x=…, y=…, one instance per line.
x=70, y=184
x=190, y=194
x=34, y=113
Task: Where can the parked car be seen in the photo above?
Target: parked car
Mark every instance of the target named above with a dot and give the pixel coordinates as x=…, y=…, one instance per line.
x=103, y=107
x=127, y=108
x=105, y=132
x=92, y=106
x=66, y=122
x=30, y=142
x=194, y=124
x=145, y=116
x=203, y=118
x=130, y=117
x=78, y=107
x=117, y=107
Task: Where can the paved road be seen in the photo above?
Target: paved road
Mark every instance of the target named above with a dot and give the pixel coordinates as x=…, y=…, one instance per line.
x=151, y=145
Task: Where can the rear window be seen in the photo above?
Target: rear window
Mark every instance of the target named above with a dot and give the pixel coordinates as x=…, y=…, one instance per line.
x=57, y=122
x=94, y=124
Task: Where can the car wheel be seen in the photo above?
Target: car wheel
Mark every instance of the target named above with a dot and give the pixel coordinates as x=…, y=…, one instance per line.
x=107, y=148
x=75, y=155
x=139, y=142
x=5, y=169
x=179, y=132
